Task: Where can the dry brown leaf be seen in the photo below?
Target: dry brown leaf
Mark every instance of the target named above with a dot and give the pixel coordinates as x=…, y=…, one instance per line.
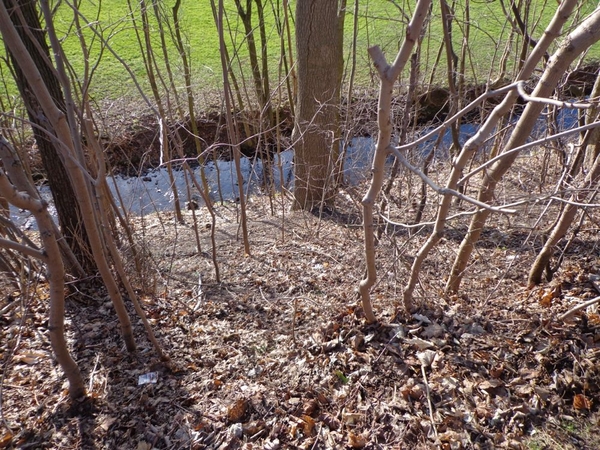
x=420, y=344
x=143, y=445
x=546, y=297
x=487, y=385
x=308, y=425
x=524, y=390
x=427, y=357
x=6, y=439
x=323, y=398
x=237, y=410
x=581, y=402
x=412, y=390
x=351, y=418
x=107, y=422
x=356, y=440
x=310, y=407
x=496, y=372
x=30, y=357
x=330, y=421
x=593, y=318
x=450, y=440
x=251, y=428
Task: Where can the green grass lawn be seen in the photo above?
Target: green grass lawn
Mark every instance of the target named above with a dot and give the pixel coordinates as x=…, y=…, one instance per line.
x=381, y=22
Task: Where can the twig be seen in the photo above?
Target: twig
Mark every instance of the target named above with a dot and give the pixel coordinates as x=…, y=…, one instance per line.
x=199, y=293
x=580, y=205
x=38, y=254
x=442, y=128
x=527, y=146
x=91, y=384
x=550, y=101
x=429, y=403
x=446, y=191
x=423, y=224
x=294, y=320
x=579, y=307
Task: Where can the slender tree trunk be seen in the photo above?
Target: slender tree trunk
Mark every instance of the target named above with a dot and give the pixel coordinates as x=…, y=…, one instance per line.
x=388, y=75
x=51, y=256
x=163, y=118
x=59, y=124
x=474, y=144
x=232, y=129
x=566, y=218
x=187, y=74
x=586, y=34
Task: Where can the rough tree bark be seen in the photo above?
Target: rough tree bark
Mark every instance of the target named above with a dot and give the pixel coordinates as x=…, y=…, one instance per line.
x=25, y=17
x=574, y=44
x=319, y=38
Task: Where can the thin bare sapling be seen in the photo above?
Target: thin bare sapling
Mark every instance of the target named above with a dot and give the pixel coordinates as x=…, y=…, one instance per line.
x=51, y=256
x=388, y=75
x=473, y=144
x=573, y=45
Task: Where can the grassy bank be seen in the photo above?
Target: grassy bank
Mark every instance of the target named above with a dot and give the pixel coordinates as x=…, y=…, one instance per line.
x=379, y=22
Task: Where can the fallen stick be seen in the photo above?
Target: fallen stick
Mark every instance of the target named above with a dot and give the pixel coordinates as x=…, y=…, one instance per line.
x=578, y=307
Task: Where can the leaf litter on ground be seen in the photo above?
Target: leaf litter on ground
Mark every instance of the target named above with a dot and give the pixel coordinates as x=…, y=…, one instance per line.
x=278, y=355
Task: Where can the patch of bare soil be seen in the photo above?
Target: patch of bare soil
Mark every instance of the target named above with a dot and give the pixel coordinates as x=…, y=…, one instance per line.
x=278, y=354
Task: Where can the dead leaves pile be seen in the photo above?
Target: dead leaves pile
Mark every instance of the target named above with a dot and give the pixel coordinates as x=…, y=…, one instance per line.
x=278, y=356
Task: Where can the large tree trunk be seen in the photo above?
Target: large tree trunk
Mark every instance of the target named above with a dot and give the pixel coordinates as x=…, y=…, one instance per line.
x=316, y=133
x=24, y=15
x=73, y=161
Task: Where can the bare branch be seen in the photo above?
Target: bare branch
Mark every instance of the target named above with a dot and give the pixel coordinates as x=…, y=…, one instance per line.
x=529, y=145
x=446, y=191
x=22, y=248
x=442, y=128
x=424, y=224
x=550, y=101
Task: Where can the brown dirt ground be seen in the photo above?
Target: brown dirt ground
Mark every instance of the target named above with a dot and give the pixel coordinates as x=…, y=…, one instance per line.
x=278, y=355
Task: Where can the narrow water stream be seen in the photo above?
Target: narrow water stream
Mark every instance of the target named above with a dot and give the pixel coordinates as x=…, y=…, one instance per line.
x=152, y=192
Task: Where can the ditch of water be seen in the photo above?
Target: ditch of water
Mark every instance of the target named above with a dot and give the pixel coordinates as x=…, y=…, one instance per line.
x=152, y=192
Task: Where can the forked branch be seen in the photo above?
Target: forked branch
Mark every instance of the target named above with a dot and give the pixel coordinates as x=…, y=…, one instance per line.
x=388, y=75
